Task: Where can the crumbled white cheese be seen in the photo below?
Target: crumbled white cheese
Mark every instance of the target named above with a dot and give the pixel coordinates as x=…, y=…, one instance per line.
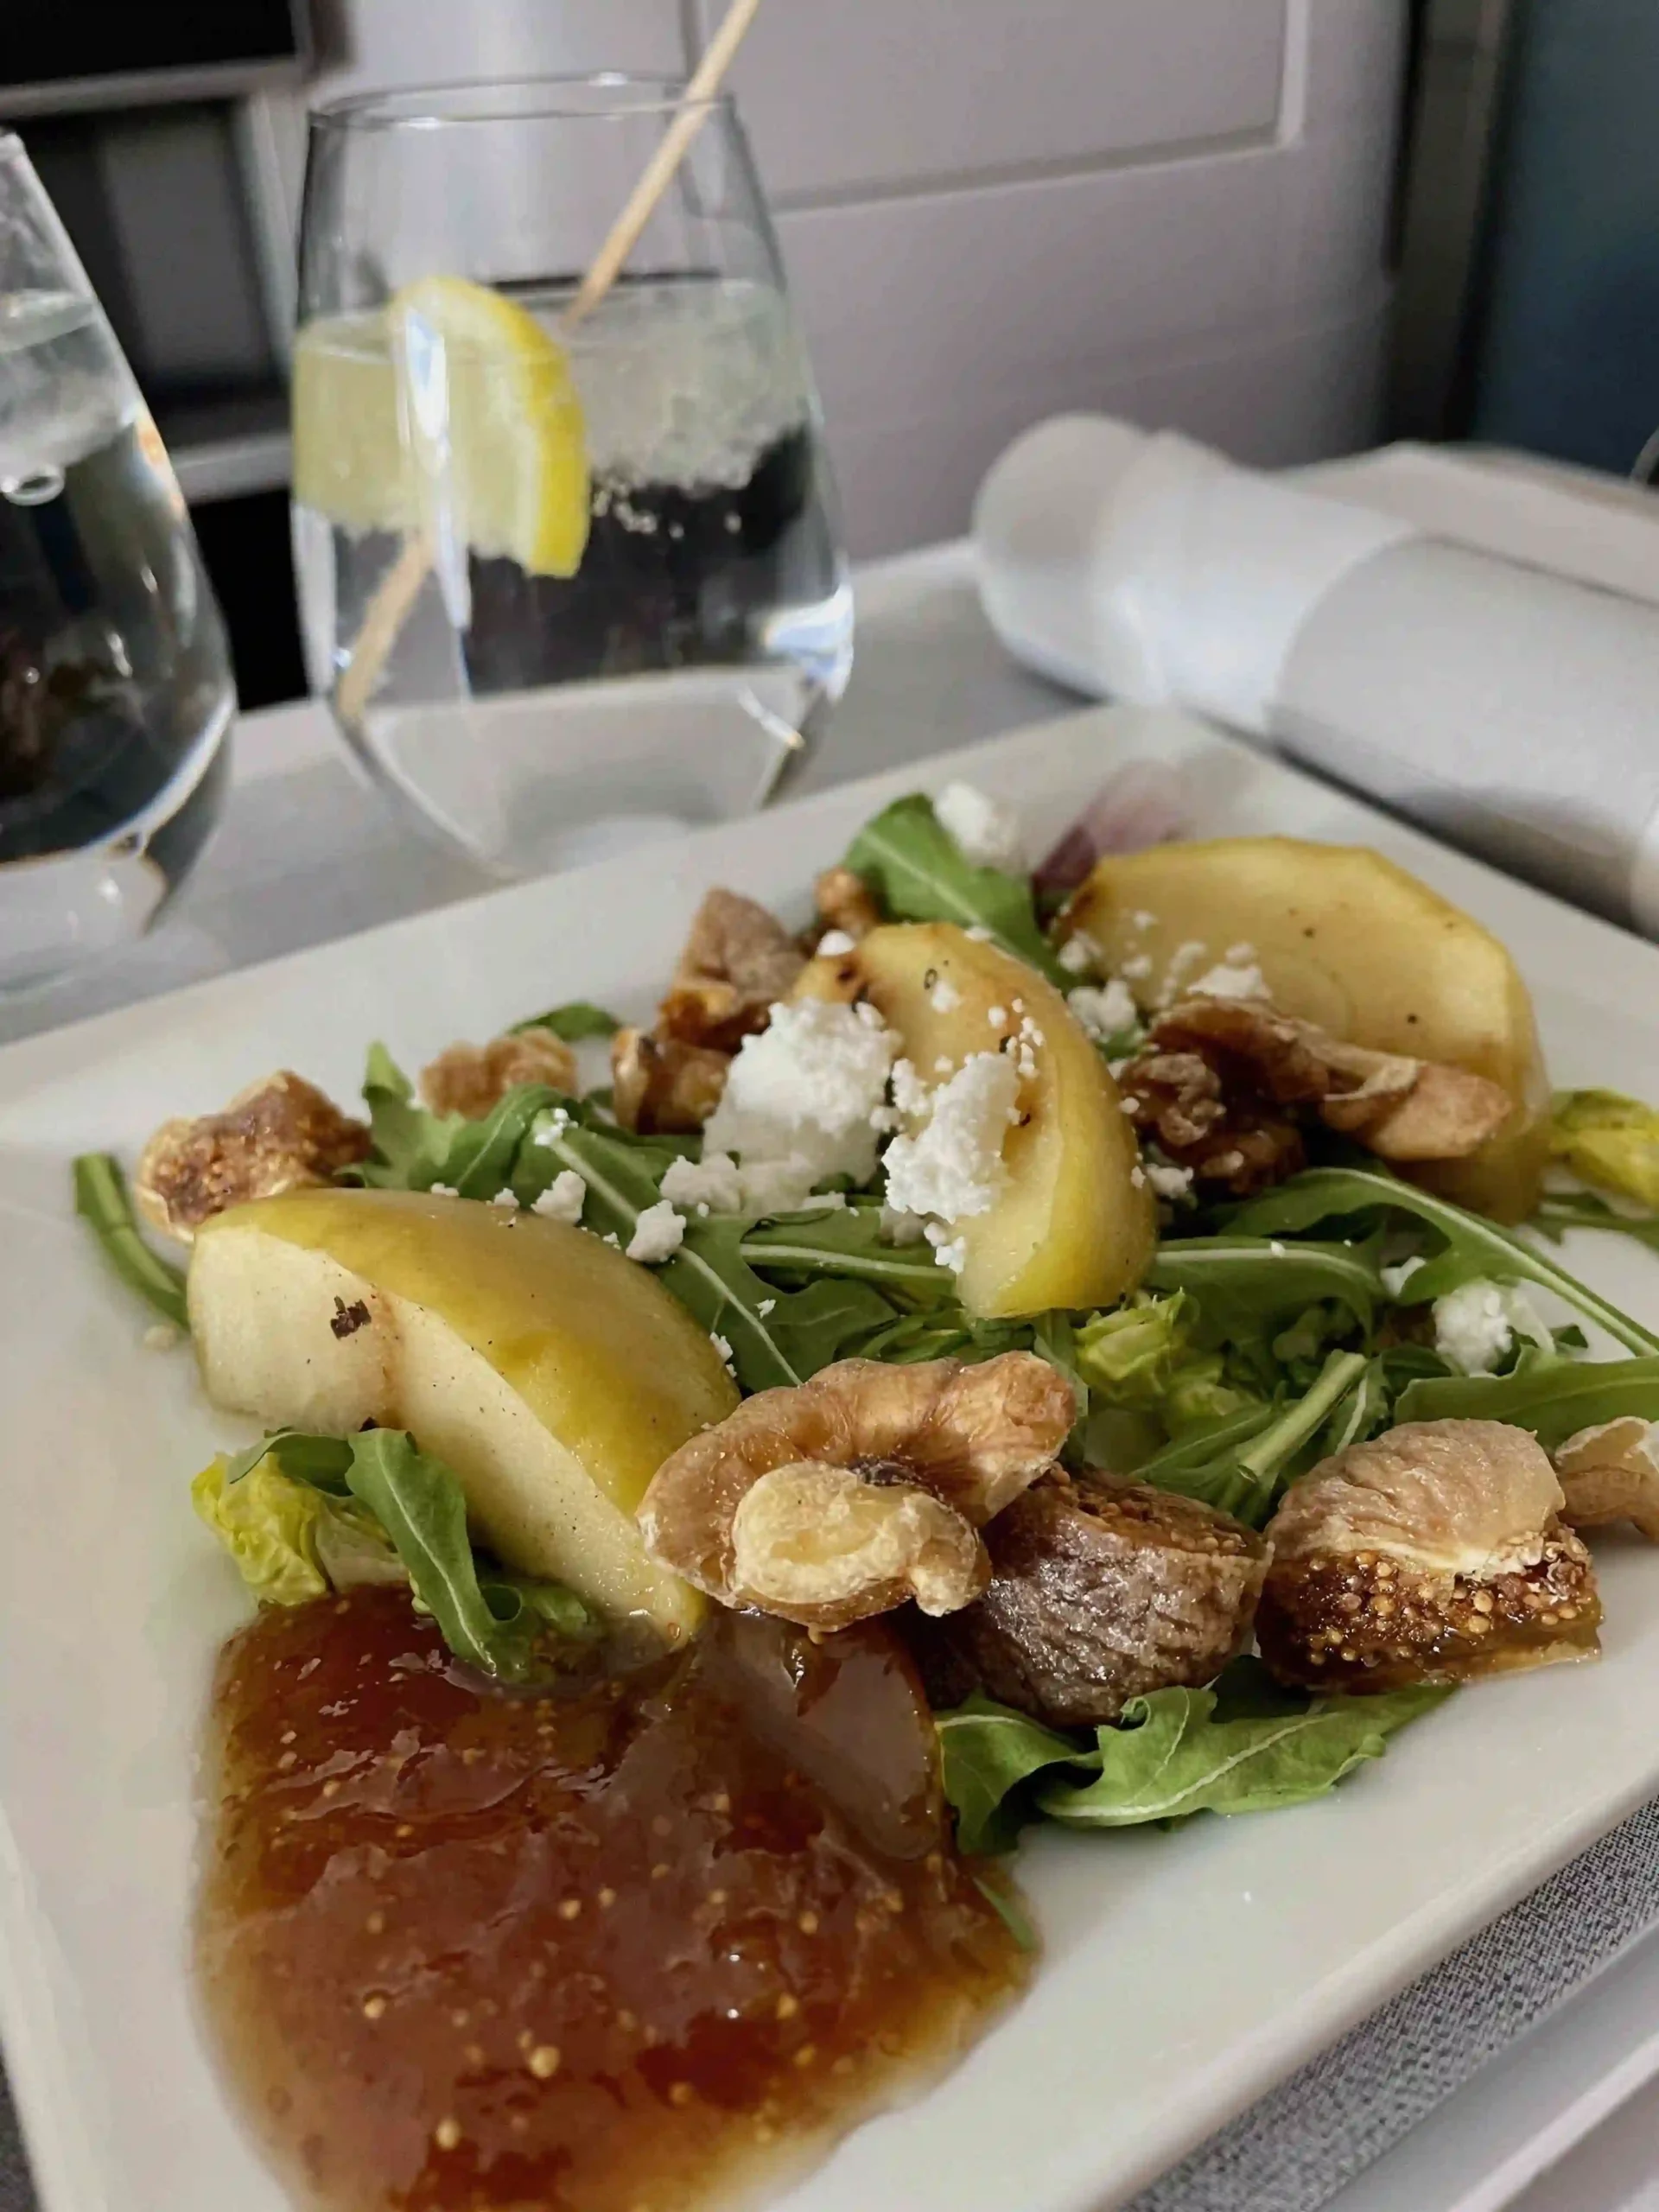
x=949, y=1251
x=803, y=1093
x=443, y=1190
x=721, y=1346
x=507, y=1201
x=1141, y=920
x=657, y=1234
x=898, y=1227
x=979, y=933
x=714, y=1181
x=550, y=1126
x=1229, y=983
x=1105, y=1013
x=1475, y=1323
x=1182, y=961
x=952, y=1166
x=984, y=831
x=1079, y=954
x=1168, y=1182
x=765, y=1306
x=1395, y=1279
x=1138, y=1176
x=1236, y=956
x=944, y=1064
x=564, y=1197
x=1138, y=967
x=944, y=997
x=997, y=1016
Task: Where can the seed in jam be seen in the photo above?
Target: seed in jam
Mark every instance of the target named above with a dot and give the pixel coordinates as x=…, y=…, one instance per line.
x=414, y=2016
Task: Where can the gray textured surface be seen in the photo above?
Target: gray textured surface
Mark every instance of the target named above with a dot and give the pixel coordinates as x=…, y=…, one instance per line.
x=1307, y=2139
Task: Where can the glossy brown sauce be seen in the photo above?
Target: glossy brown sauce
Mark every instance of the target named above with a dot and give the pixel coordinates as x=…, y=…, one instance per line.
x=601, y=1951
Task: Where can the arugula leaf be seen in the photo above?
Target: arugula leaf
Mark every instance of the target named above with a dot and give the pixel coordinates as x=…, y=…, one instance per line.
x=1171, y=1756
x=946, y=1332
x=1246, y=1287
x=985, y=1751
x=845, y=1241
x=1360, y=1414
x=103, y=1202
x=1470, y=1247
x=918, y=871
x=1242, y=1745
x=320, y=1462
x=1564, y=1210
x=1241, y=1464
x=422, y=1507
x=1554, y=1398
x=571, y=1023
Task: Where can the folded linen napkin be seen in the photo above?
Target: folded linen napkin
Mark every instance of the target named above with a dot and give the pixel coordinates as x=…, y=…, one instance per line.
x=1509, y=709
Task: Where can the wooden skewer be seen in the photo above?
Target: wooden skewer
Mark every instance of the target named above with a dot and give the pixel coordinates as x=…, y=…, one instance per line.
x=398, y=590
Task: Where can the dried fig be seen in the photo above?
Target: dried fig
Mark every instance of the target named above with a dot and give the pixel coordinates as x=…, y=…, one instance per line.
x=739, y=961
x=1101, y=1591
x=1433, y=1554
x=275, y=1135
x=1610, y=1473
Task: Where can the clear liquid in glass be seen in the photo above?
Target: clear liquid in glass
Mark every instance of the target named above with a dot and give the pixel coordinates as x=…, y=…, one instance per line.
x=709, y=624
x=115, y=685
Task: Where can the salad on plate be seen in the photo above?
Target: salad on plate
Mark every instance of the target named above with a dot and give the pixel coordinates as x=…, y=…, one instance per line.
x=1084, y=1345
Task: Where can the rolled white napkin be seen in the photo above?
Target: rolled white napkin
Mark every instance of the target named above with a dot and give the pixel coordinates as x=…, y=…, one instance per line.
x=1512, y=711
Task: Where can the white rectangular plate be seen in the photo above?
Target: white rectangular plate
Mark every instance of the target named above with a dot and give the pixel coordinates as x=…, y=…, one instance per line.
x=1184, y=1973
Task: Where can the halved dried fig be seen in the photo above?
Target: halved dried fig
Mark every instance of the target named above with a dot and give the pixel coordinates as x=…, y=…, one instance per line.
x=1610, y=1473
x=472, y=1079
x=661, y=1086
x=1101, y=1591
x=274, y=1136
x=1433, y=1554
x=739, y=961
x=859, y=1489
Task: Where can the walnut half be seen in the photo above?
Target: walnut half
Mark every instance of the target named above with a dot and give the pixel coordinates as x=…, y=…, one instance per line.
x=472, y=1079
x=663, y=1087
x=861, y=1488
x=274, y=1136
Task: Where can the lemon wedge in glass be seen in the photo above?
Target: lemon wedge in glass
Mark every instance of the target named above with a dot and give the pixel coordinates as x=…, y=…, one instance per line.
x=451, y=411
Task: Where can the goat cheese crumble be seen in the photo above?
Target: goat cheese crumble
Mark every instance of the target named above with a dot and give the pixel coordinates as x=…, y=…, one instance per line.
x=1079, y=954
x=983, y=829
x=563, y=1198
x=1475, y=1323
x=657, y=1234
x=1230, y=981
x=834, y=943
x=805, y=1101
x=714, y=1181
x=1104, y=1013
x=951, y=1167
x=1167, y=1181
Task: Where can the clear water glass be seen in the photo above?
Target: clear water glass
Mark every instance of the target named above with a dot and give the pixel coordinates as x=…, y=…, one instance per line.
x=706, y=632
x=115, y=690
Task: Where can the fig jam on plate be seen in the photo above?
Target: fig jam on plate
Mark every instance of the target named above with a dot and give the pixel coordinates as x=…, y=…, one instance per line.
x=610, y=1948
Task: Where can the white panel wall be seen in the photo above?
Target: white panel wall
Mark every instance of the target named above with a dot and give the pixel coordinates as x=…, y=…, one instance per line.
x=993, y=208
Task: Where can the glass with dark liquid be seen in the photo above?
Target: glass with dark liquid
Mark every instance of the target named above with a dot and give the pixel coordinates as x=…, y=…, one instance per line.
x=571, y=576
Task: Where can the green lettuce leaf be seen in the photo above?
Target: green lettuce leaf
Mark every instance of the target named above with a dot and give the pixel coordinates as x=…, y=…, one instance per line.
x=1242, y=1745
x=1467, y=1247
x=918, y=873
x=1130, y=1355
x=572, y=1023
x=105, y=1204
x=268, y=1523
x=1608, y=1139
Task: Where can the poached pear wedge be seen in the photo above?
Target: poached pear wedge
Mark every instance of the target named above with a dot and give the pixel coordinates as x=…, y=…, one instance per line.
x=551, y=1373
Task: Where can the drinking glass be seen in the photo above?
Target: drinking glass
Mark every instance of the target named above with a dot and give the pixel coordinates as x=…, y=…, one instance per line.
x=571, y=580
x=115, y=681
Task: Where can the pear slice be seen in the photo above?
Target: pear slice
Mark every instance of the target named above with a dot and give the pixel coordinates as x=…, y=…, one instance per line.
x=1345, y=938
x=551, y=1373
x=1076, y=1225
